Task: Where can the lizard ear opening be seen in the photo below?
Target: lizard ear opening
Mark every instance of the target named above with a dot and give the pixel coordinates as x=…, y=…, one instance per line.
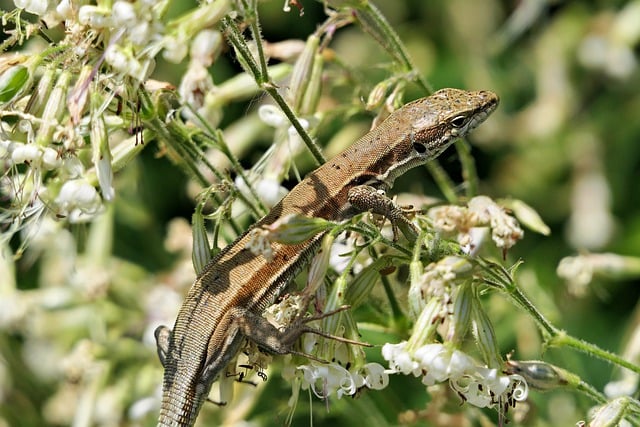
x=420, y=148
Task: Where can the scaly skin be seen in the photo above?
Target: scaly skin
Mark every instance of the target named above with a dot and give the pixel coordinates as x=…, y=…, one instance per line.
x=227, y=300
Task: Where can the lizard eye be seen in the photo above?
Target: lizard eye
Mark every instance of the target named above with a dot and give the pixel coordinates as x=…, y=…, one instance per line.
x=458, y=121
x=420, y=148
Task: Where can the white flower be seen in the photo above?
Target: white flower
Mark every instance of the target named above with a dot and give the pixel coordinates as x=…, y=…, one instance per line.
x=37, y=7
x=122, y=60
x=175, y=48
x=332, y=378
x=399, y=359
x=78, y=200
x=50, y=158
x=23, y=153
x=577, y=271
x=327, y=379
x=259, y=243
x=441, y=364
x=272, y=116
x=286, y=311
x=35, y=155
x=94, y=16
x=505, y=230
x=374, y=376
x=123, y=14
x=195, y=84
x=205, y=47
x=64, y=9
x=447, y=218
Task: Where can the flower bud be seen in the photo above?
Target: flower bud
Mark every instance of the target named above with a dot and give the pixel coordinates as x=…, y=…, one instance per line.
x=311, y=96
x=361, y=285
x=42, y=93
x=378, y=94
x=293, y=229
x=201, y=254
x=540, y=375
x=527, y=216
x=319, y=265
x=79, y=95
x=612, y=413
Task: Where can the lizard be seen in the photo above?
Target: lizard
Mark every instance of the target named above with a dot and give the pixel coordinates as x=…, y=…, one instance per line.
x=225, y=303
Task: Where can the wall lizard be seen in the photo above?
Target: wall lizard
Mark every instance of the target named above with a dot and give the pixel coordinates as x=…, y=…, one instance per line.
x=226, y=302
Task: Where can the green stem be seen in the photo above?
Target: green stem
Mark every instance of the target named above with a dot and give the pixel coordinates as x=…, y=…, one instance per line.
x=555, y=337
x=561, y=339
x=265, y=83
x=238, y=42
x=469, y=172
x=186, y=154
x=396, y=311
x=254, y=24
x=311, y=145
x=374, y=235
x=259, y=210
x=442, y=181
x=222, y=145
x=389, y=40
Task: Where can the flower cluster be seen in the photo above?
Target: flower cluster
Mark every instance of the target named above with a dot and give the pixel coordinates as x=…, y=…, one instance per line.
x=326, y=379
x=436, y=363
x=480, y=212
x=62, y=137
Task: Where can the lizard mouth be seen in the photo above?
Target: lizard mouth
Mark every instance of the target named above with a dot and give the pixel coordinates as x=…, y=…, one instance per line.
x=489, y=106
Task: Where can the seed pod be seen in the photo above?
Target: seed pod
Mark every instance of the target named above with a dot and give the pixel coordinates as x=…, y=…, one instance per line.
x=40, y=95
x=527, y=216
x=102, y=156
x=540, y=375
x=302, y=70
x=54, y=109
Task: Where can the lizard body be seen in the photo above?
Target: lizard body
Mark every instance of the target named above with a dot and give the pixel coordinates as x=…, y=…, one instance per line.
x=226, y=302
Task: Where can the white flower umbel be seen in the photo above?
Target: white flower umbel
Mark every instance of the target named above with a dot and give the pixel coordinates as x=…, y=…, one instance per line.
x=437, y=363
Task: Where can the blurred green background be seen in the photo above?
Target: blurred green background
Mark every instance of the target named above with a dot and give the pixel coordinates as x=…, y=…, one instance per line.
x=565, y=139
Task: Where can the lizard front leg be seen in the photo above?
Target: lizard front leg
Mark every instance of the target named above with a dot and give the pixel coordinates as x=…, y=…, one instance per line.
x=281, y=341
x=366, y=198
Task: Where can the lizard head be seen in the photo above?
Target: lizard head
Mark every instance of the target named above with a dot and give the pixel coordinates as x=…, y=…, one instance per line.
x=433, y=123
x=445, y=116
